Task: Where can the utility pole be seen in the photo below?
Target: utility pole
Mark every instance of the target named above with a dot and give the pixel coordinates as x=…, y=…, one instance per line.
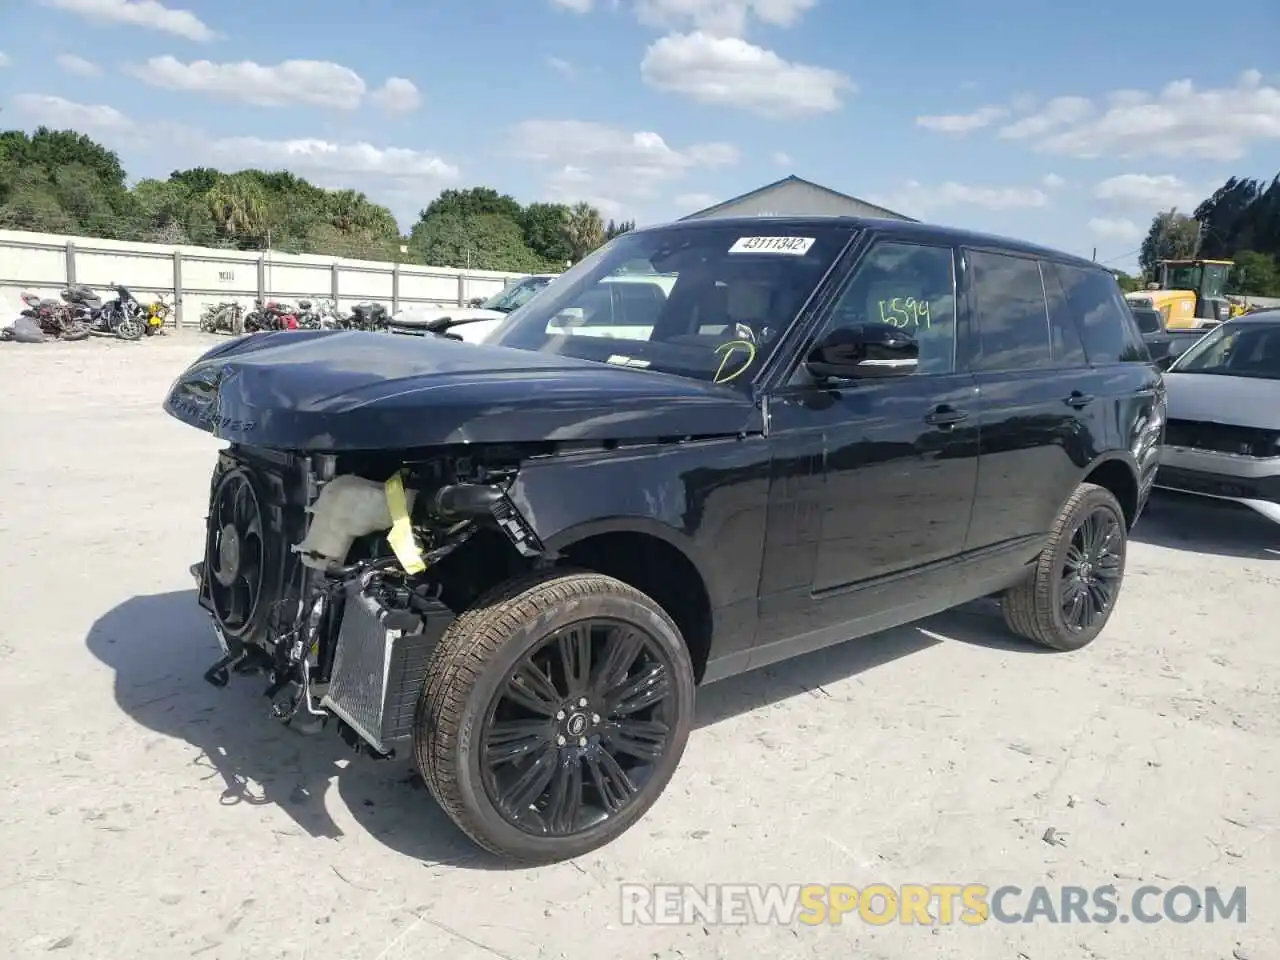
x=1095, y=254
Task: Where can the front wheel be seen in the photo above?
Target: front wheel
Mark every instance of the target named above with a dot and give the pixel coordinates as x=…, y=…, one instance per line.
x=554, y=713
x=1070, y=592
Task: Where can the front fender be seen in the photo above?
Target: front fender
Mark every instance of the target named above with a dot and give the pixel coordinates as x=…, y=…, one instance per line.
x=706, y=498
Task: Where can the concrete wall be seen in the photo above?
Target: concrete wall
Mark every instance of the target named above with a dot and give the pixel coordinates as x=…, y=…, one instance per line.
x=793, y=198
x=193, y=277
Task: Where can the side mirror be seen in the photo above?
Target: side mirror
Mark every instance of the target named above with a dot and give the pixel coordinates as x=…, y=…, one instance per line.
x=475, y=301
x=863, y=352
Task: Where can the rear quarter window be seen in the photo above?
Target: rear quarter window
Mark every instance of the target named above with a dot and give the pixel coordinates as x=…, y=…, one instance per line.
x=1105, y=321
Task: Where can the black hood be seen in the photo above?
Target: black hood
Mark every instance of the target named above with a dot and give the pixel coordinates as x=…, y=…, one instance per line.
x=327, y=390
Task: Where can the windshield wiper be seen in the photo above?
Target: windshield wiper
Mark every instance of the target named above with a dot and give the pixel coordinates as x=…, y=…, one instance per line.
x=442, y=324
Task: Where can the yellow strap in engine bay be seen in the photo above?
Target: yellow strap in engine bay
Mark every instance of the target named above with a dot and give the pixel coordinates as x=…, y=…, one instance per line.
x=400, y=536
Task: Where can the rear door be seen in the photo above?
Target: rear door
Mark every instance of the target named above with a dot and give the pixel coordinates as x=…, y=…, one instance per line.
x=1037, y=402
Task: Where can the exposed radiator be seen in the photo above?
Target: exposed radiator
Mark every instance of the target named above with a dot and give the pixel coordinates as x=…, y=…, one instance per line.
x=378, y=673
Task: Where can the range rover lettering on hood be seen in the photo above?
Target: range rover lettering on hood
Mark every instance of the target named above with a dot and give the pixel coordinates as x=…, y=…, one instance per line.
x=335, y=390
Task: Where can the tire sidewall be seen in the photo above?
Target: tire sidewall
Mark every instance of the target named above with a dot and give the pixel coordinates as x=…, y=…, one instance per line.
x=466, y=759
x=1089, y=503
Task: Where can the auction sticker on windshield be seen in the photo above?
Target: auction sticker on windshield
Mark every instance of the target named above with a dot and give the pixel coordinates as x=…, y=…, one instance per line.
x=792, y=246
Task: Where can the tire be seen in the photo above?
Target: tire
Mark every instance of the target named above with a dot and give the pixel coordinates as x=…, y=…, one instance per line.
x=1035, y=608
x=465, y=706
x=129, y=328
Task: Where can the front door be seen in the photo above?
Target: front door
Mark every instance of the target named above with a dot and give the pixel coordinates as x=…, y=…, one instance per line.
x=873, y=480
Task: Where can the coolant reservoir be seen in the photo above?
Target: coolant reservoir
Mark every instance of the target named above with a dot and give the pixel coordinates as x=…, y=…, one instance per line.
x=348, y=507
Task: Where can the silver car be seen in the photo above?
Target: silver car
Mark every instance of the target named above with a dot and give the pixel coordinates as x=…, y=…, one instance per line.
x=1222, y=438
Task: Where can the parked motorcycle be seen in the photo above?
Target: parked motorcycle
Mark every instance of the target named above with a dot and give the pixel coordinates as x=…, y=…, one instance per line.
x=158, y=311
x=54, y=319
x=122, y=316
x=270, y=316
x=368, y=316
x=319, y=315
x=227, y=317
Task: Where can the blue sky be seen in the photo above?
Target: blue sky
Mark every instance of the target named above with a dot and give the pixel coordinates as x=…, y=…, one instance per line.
x=1068, y=125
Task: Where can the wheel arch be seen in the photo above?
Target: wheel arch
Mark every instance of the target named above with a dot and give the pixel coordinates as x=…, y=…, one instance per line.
x=1118, y=474
x=655, y=559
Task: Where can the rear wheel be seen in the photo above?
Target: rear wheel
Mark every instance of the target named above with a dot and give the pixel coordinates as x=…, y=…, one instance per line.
x=554, y=713
x=1070, y=592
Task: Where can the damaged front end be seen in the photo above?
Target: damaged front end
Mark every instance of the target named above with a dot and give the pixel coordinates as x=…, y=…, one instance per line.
x=334, y=575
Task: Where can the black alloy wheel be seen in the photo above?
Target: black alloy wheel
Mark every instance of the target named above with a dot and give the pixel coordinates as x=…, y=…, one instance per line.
x=578, y=728
x=554, y=714
x=1092, y=569
x=1071, y=591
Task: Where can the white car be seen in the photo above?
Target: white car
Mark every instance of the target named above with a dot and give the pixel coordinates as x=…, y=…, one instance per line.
x=1222, y=438
x=472, y=323
x=625, y=306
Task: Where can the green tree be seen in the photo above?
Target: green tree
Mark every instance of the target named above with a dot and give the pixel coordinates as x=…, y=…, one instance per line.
x=544, y=232
x=61, y=181
x=1173, y=236
x=1127, y=283
x=1255, y=275
x=585, y=230
x=472, y=202
x=485, y=241
x=238, y=205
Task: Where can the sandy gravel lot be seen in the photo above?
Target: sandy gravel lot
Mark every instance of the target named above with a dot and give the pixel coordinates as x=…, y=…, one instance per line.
x=146, y=814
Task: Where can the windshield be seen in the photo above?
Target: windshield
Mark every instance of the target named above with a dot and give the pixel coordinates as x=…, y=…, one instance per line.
x=703, y=301
x=1208, y=279
x=1235, y=350
x=516, y=295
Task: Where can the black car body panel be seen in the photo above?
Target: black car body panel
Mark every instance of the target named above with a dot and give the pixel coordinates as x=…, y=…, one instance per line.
x=329, y=390
x=807, y=513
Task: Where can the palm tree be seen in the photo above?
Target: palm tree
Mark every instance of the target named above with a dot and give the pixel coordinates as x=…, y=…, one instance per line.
x=584, y=229
x=238, y=207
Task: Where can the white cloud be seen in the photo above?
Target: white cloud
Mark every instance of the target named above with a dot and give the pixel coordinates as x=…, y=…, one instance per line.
x=725, y=71
x=1179, y=121
x=358, y=165
x=1105, y=228
x=562, y=66
x=62, y=114
x=608, y=166
x=78, y=65
x=4, y=59
x=918, y=199
x=326, y=158
x=1147, y=192
x=1052, y=181
x=148, y=14
x=1056, y=114
x=314, y=82
x=782, y=159
x=397, y=96
x=576, y=6
x=722, y=18
x=962, y=123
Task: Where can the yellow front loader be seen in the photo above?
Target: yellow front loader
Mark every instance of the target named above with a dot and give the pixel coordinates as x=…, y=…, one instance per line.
x=1190, y=294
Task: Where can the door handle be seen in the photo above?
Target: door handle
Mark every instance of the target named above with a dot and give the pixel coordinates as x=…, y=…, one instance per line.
x=1078, y=399
x=945, y=416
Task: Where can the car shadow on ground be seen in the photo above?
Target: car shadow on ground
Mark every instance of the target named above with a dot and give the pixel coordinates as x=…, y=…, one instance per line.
x=159, y=647
x=1184, y=522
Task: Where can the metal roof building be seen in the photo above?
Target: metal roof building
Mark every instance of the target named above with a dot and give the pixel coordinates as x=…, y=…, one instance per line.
x=793, y=196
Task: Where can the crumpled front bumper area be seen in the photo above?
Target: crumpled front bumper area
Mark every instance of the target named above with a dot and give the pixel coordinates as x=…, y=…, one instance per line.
x=378, y=669
x=1253, y=482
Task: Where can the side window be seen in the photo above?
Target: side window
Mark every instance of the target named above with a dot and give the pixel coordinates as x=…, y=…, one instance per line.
x=1105, y=321
x=1013, y=318
x=910, y=286
x=1064, y=334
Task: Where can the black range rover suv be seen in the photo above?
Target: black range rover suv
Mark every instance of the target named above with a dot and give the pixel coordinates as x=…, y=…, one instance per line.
x=707, y=447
